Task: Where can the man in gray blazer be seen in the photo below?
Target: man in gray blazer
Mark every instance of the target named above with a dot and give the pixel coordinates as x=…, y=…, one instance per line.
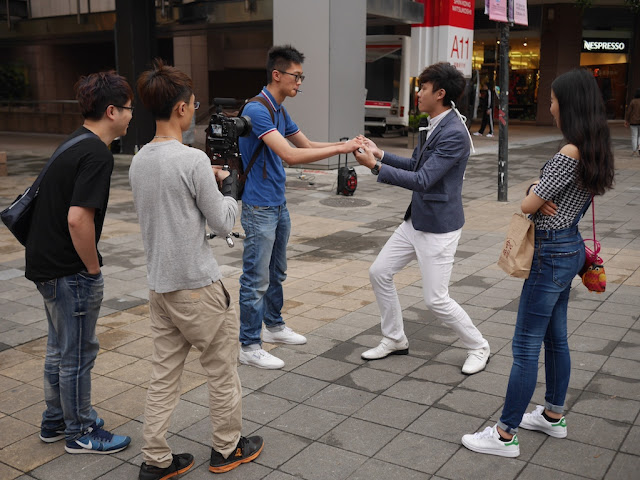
x=433, y=223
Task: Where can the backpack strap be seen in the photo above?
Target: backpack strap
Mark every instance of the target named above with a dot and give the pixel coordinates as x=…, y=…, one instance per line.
x=256, y=154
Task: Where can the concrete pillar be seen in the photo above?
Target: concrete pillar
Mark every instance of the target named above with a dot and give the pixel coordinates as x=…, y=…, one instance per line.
x=191, y=56
x=332, y=36
x=135, y=35
x=3, y=164
x=560, y=46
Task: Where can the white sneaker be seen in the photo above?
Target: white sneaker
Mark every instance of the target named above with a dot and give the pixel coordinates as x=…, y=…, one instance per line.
x=535, y=421
x=286, y=335
x=259, y=358
x=387, y=347
x=476, y=360
x=489, y=135
x=488, y=441
x=477, y=134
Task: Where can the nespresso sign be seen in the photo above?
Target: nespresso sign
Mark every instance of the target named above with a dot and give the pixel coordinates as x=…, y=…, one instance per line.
x=605, y=45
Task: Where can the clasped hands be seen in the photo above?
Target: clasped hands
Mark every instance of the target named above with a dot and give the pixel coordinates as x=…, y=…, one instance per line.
x=366, y=151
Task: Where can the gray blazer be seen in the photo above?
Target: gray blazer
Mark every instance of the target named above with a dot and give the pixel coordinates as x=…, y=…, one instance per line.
x=435, y=175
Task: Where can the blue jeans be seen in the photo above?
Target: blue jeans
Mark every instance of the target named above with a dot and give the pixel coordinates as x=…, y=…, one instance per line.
x=542, y=317
x=72, y=305
x=264, y=267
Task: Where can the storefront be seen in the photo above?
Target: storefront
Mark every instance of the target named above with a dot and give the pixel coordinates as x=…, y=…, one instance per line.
x=524, y=61
x=608, y=58
x=606, y=51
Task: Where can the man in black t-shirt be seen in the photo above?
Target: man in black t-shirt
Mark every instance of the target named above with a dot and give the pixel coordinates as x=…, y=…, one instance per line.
x=62, y=259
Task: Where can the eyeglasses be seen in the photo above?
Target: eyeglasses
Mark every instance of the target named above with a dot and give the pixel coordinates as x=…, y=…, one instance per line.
x=299, y=76
x=196, y=105
x=122, y=106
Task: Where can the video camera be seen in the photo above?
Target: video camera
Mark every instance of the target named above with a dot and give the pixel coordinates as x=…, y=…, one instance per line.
x=223, y=133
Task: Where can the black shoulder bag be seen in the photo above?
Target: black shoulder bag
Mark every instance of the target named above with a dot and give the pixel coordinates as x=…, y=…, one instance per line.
x=17, y=216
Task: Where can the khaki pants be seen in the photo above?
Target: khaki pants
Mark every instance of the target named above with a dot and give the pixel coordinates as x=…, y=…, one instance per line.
x=204, y=318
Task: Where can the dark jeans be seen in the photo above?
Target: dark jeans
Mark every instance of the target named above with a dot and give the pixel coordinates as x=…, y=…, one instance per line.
x=72, y=305
x=542, y=317
x=264, y=267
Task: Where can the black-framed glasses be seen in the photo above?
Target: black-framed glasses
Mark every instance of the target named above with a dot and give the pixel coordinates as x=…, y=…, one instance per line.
x=196, y=105
x=122, y=106
x=299, y=76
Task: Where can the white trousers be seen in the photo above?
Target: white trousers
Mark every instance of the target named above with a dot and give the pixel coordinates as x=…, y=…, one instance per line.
x=435, y=253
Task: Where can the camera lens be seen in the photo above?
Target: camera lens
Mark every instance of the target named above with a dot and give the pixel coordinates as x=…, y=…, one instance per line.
x=242, y=125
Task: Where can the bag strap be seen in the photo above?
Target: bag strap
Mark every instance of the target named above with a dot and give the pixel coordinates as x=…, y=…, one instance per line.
x=61, y=149
x=256, y=154
x=593, y=216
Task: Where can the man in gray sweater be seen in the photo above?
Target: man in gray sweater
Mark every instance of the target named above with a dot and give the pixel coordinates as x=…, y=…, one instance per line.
x=176, y=195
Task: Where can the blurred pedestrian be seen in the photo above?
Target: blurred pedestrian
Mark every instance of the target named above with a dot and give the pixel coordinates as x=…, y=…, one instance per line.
x=486, y=106
x=632, y=120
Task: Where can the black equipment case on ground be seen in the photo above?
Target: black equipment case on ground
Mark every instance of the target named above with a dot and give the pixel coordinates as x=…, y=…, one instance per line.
x=347, y=177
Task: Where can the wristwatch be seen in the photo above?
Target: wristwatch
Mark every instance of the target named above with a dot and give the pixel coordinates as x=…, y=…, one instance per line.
x=376, y=170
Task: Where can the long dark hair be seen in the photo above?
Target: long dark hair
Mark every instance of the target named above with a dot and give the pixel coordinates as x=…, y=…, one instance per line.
x=583, y=123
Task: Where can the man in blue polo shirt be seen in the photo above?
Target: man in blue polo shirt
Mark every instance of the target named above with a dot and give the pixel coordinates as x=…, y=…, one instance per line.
x=265, y=217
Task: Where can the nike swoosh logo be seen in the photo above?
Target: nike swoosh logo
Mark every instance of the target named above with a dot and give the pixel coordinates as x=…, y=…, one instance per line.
x=87, y=445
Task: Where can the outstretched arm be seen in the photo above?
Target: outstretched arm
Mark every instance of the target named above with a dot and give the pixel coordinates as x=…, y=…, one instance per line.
x=305, y=154
x=300, y=140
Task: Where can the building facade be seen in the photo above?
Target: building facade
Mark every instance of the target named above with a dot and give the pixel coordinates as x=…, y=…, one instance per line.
x=222, y=44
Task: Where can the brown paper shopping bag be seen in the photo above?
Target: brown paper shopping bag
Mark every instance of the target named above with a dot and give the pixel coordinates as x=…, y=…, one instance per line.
x=517, y=252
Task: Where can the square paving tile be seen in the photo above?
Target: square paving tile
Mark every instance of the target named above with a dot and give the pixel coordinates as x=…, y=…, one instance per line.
x=606, y=406
x=360, y=436
x=340, y=399
x=323, y=462
x=19, y=397
x=587, y=460
x=618, y=386
x=400, y=364
x=537, y=472
x=444, y=424
x=417, y=391
x=425, y=455
x=369, y=379
x=470, y=402
x=440, y=373
x=468, y=464
x=256, y=378
x=373, y=469
x=390, y=411
x=68, y=466
x=596, y=431
x=279, y=446
x=346, y=352
x=294, y=387
x=632, y=442
x=262, y=408
x=624, y=466
x=306, y=421
x=325, y=369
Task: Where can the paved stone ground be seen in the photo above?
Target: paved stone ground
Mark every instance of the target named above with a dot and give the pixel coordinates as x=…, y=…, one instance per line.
x=329, y=415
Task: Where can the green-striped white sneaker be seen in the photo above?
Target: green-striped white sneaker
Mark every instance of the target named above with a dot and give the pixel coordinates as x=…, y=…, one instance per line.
x=535, y=421
x=488, y=441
